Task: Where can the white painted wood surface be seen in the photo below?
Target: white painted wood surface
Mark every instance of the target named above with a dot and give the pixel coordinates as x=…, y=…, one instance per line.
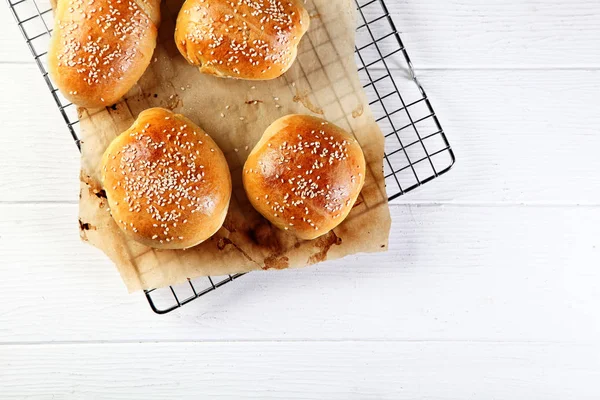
x=491, y=287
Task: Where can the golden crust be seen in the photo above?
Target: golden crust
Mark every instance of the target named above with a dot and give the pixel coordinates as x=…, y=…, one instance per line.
x=304, y=175
x=246, y=39
x=167, y=182
x=100, y=48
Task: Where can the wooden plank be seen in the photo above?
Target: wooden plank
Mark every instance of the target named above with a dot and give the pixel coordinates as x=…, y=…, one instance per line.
x=12, y=43
x=452, y=273
x=313, y=370
x=524, y=137
x=455, y=33
x=38, y=158
x=499, y=34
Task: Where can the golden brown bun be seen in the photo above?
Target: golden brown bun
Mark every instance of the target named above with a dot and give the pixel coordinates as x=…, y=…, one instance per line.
x=100, y=48
x=246, y=39
x=167, y=182
x=304, y=175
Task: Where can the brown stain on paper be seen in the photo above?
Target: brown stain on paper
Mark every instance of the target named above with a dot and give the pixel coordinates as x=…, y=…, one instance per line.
x=86, y=226
x=324, y=243
x=223, y=242
x=94, y=189
x=91, y=183
x=230, y=224
x=265, y=237
x=275, y=262
x=83, y=228
x=172, y=102
x=303, y=99
x=358, y=111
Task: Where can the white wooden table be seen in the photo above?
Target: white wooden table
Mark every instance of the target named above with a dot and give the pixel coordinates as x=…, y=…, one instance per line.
x=490, y=290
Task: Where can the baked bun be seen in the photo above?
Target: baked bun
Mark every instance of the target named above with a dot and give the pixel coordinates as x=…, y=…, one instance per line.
x=167, y=182
x=304, y=175
x=246, y=39
x=100, y=48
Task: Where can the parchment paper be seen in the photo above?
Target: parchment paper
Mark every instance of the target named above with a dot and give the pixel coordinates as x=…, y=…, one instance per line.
x=323, y=81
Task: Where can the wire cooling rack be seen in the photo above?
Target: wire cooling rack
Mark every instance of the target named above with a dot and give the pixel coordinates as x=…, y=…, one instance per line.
x=416, y=148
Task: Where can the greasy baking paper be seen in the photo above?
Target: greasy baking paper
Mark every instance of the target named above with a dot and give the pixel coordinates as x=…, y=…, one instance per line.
x=323, y=81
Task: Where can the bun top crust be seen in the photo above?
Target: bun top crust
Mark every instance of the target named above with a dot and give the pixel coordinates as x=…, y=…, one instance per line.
x=246, y=39
x=100, y=48
x=167, y=182
x=304, y=175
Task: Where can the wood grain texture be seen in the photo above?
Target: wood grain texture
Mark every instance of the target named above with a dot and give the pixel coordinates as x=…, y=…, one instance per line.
x=452, y=273
x=12, y=44
x=498, y=33
x=490, y=288
x=334, y=370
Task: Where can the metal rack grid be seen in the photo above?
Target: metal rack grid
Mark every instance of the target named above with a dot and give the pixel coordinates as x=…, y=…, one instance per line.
x=416, y=148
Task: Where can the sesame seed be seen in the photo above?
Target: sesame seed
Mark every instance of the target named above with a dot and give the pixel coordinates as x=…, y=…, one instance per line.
x=250, y=49
x=307, y=182
x=159, y=181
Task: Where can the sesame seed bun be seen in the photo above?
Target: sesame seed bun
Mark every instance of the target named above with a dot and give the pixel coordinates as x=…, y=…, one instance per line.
x=167, y=182
x=304, y=175
x=246, y=39
x=100, y=48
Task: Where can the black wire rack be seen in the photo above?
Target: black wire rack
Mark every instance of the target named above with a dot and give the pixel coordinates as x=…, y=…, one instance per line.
x=416, y=148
